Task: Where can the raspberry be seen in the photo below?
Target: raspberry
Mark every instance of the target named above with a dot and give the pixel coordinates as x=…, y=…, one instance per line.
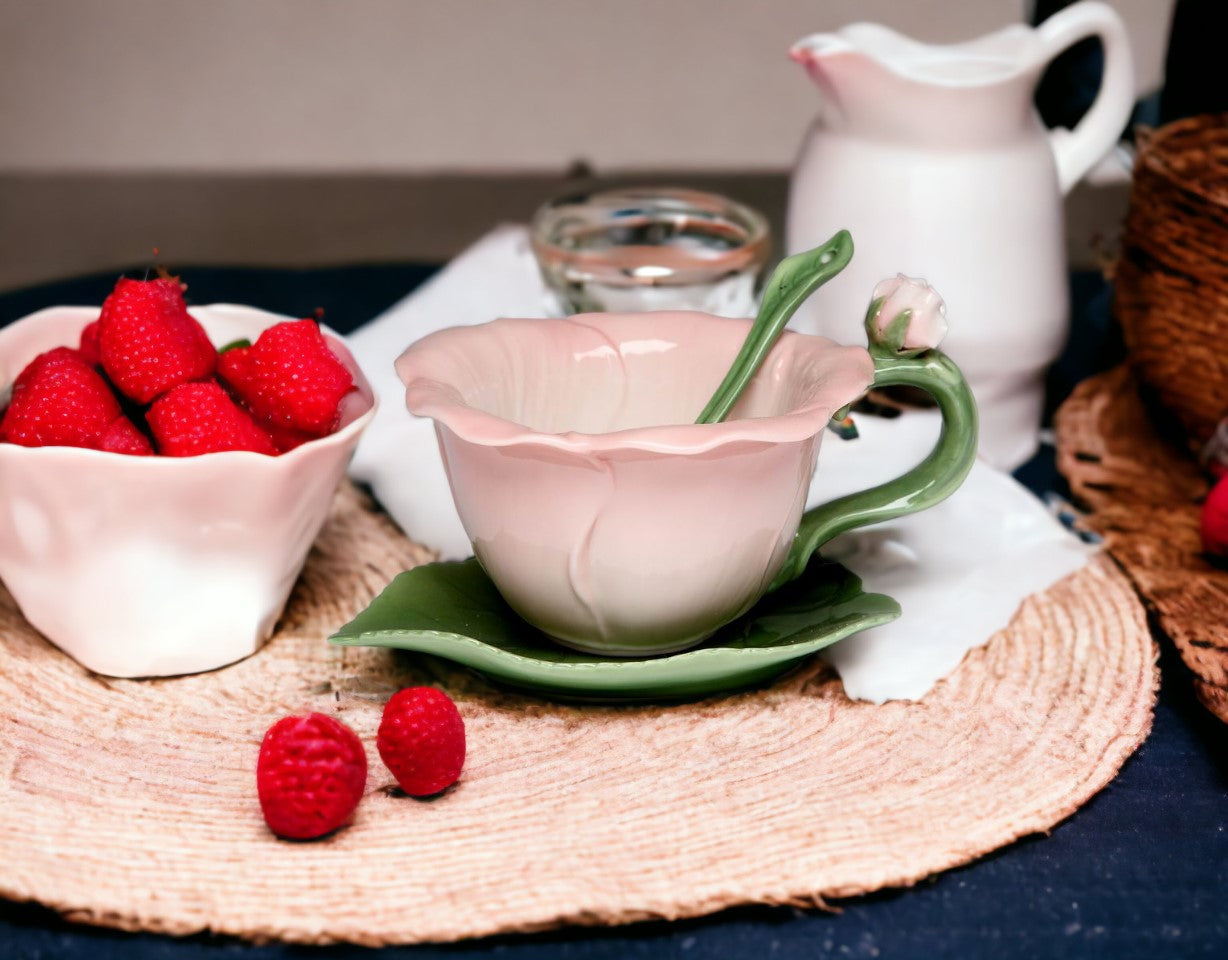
x=196, y=418
x=59, y=400
x=289, y=379
x=149, y=342
x=422, y=740
x=122, y=436
x=310, y=776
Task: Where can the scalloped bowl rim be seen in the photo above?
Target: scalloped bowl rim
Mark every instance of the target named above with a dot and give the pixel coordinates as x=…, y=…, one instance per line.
x=339, y=437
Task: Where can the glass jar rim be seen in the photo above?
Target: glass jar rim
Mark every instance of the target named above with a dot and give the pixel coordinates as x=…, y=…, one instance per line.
x=632, y=264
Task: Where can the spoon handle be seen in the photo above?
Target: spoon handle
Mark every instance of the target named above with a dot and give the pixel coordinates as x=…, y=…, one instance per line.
x=793, y=280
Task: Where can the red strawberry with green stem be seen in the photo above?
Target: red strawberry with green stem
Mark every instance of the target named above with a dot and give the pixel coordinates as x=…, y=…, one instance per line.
x=149, y=342
x=289, y=379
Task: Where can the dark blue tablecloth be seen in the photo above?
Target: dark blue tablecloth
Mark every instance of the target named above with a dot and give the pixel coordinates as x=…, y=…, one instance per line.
x=1140, y=872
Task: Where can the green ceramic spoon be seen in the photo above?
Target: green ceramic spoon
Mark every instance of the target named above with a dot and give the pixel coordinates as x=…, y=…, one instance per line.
x=928, y=483
x=793, y=280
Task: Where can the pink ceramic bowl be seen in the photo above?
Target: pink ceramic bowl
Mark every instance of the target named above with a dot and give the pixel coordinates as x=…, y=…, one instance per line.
x=153, y=566
x=604, y=515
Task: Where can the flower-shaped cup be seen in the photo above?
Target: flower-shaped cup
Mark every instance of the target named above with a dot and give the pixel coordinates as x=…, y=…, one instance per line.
x=155, y=566
x=606, y=516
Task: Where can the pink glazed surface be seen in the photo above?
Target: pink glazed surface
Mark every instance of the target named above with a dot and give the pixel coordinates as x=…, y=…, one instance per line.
x=603, y=513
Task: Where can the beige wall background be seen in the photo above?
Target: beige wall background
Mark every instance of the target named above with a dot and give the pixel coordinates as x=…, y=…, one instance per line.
x=416, y=86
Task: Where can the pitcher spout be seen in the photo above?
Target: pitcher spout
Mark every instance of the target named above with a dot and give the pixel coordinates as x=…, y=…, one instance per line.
x=810, y=49
x=831, y=60
x=819, y=51
x=884, y=84
x=1011, y=53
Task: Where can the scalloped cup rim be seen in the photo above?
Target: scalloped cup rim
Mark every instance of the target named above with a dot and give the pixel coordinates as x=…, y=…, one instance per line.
x=426, y=396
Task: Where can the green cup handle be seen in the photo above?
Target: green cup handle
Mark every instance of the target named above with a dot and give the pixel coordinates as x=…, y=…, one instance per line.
x=896, y=363
x=928, y=483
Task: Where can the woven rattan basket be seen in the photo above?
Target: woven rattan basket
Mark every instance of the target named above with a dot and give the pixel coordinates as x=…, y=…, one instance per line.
x=1171, y=281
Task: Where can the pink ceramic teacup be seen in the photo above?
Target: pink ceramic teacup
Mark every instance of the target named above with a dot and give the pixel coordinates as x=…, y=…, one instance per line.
x=607, y=517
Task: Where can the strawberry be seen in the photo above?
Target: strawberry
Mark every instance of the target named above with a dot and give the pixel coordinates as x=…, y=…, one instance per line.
x=421, y=739
x=59, y=400
x=149, y=342
x=232, y=367
x=122, y=436
x=289, y=378
x=1213, y=522
x=232, y=363
x=89, y=346
x=310, y=775
x=286, y=439
x=196, y=418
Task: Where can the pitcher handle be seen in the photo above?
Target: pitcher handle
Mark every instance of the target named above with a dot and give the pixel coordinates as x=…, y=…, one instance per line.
x=933, y=480
x=1077, y=150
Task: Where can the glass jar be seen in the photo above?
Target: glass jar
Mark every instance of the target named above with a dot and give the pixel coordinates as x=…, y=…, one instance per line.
x=651, y=248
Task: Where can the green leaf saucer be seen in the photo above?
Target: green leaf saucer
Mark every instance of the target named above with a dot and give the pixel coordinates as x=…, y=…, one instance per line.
x=454, y=611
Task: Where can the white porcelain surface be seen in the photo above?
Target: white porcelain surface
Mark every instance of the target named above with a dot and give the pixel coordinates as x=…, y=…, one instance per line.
x=935, y=160
x=603, y=513
x=154, y=566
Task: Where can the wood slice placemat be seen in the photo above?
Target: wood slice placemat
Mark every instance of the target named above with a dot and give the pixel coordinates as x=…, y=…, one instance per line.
x=1145, y=495
x=132, y=803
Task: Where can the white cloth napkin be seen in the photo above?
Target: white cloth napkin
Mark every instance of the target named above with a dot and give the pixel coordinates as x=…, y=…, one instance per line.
x=958, y=570
x=398, y=455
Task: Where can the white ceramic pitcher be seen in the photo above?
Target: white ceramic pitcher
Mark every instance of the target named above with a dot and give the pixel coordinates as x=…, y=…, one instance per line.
x=936, y=161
